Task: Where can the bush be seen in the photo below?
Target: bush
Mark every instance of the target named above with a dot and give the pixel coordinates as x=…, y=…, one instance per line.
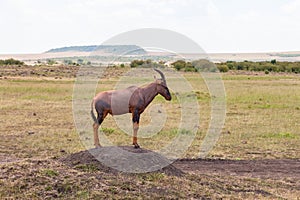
x=179, y=64
x=204, y=65
x=190, y=69
x=230, y=66
x=223, y=68
x=51, y=62
x=11, y=61
x=240, y=66
x=136, y=63
x=80, y=61
x=145, y=64
x=270, y=66
x=197, y=65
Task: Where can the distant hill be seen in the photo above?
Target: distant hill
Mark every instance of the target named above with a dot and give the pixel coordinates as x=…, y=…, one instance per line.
x=110, y=49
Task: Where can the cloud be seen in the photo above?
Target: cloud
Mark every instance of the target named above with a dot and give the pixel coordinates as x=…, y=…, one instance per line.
x=292, y=7
x=212, y=9
x=35, y=26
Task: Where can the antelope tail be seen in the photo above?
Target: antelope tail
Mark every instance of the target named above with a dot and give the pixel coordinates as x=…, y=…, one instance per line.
x=92, y=112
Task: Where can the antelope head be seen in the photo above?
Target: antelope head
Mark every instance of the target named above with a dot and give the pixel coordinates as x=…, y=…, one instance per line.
x=162, y=87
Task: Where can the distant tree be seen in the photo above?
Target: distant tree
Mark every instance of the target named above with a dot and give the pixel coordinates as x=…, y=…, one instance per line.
x=264, y=66
x=68, y=62
x=273, y=61
x=179, y=64
x=148, y=61
x=80, y=61
x=11, y=61
x=223, y=68
x=136, y=63
x=51, y=62
x=204, y=65
x=161, y=62
x=240, y=66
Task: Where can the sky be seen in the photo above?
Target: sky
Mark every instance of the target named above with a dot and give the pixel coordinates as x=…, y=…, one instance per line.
x=218, y=26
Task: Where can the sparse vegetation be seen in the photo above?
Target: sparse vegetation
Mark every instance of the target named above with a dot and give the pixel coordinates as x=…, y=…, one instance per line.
x=266, y=66
x=51, y=62
x=145, y=64
x=11, y=61
x=201, y=65
x=37, y=131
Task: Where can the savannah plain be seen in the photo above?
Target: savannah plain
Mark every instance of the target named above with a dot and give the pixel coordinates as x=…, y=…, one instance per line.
x=256, y=157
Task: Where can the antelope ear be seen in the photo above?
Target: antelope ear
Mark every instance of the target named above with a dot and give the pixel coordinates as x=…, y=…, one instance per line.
x=158, y=81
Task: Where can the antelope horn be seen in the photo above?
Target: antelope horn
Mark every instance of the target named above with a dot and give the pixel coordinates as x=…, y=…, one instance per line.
x=161, y=74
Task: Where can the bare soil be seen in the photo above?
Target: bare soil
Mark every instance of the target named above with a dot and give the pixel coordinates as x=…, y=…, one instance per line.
x=273, y=169
x=49, y=71
x=81, y=176
x=42, y=170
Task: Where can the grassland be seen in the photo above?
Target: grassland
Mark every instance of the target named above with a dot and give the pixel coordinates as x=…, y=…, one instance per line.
x=37, y=131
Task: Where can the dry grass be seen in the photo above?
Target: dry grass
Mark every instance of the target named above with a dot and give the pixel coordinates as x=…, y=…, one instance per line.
x=37, y=128
x=262, y=118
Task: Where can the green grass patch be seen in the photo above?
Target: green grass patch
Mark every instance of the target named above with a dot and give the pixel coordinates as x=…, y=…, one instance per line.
x=87, y=168
x=107, y=130
x=151, y=177
x=49, y=172
x=283, y=135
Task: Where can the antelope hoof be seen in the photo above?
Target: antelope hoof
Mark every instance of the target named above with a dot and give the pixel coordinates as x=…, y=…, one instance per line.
x=136, y=146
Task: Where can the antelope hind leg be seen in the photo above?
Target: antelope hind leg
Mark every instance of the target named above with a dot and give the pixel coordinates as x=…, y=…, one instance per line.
x=96, y=137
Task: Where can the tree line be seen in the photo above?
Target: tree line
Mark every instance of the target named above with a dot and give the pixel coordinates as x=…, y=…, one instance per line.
x=195, y=66
x=266, y=66
x=206, y=65
x=11, y=61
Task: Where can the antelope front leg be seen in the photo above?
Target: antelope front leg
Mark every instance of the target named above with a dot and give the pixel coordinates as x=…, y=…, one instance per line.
x=135, y=120
x=135, y=130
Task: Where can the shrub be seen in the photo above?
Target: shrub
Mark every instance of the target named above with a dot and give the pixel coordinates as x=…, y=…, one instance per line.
x=51, y=62
x=223, y=68
x=136, y=63
x=272, y=66
x=204, y=65
x=80, y=61
x=240, y=67
x=230, y=66
x=145, y=64
x=179, y=64
x=11, y=61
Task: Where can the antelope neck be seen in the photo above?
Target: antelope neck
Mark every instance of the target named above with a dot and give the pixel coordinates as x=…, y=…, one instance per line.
x=149, y=92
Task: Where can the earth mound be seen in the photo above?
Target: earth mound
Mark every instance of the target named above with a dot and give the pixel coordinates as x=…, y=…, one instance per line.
x=122, y=159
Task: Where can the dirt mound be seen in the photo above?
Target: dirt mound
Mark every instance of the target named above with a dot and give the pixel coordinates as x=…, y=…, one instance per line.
x=109, y=160
x=112, y=160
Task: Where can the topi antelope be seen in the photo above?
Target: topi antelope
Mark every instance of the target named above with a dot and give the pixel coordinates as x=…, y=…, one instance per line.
x=130, y=100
